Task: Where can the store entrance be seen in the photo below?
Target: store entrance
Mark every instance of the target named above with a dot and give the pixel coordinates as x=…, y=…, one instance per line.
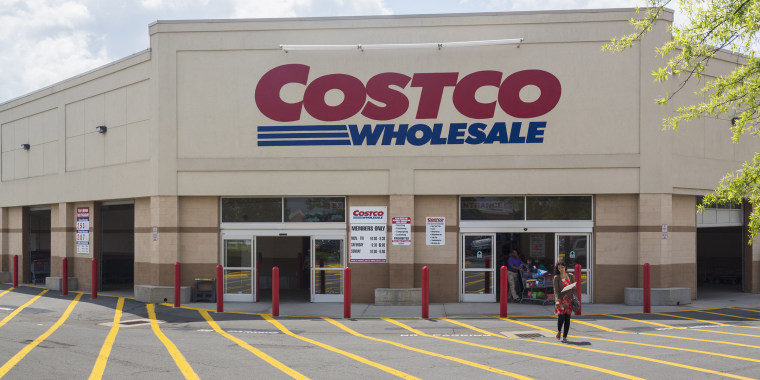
x=720, y=259
x=117, y=246
x=291, y=254
x=38, y=263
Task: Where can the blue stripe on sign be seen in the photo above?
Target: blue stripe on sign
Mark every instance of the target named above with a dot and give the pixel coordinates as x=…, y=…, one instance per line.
x=304, y=142
x=299, y=128
x=300, y=135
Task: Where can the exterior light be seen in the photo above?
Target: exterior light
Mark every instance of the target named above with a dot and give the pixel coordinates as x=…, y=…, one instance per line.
x=101, y=128
x=25, y=146
x=420, y=45
x=734, y=120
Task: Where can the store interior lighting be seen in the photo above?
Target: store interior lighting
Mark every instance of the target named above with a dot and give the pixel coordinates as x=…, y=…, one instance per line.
x=421, y=45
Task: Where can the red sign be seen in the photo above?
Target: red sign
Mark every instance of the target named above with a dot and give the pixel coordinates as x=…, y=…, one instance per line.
x=83, y=212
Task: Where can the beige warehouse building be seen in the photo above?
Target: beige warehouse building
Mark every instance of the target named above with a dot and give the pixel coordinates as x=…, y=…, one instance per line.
x=381, y=143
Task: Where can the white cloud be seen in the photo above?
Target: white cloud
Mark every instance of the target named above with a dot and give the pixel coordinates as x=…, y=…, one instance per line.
x=303, y=8
x=44, y=42
x=171, y=4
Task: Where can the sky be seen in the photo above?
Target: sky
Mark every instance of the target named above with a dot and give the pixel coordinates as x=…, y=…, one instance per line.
x=46, y=41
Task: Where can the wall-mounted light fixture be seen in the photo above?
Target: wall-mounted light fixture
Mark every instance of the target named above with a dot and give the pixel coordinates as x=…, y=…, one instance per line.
x=25, y=146
x=420, y=45
x=101, y=128
x=734, y=120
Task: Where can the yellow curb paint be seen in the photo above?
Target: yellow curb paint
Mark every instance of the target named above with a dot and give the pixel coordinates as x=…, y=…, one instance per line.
x=105, y=351
x=274, y=362
x=339, y=351
x=551, y=359
x=421, y=351
x=740, y=308
x=29, y=347
x=22, y=307
x=179, y=359
x=632, y=356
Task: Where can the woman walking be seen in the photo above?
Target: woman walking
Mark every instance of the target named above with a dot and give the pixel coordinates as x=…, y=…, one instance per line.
x=562, y=300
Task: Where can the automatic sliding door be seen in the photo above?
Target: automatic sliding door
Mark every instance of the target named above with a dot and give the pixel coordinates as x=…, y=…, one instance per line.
x=575, y=249
x=477, y=268
x=239, y=268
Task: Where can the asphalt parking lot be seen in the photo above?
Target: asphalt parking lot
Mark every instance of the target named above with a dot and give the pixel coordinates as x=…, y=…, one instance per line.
x=46, y=335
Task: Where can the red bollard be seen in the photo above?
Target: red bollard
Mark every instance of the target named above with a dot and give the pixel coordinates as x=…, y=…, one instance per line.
x=488, y=277
x=503, y=292
x=176, y=284
x=647, y=290
x=65, y=279
x=578, y=282
x=425, y=291
x=275, y=292
x=219, y=289
x=347, y=293
x=15, y=271
x=94, y=278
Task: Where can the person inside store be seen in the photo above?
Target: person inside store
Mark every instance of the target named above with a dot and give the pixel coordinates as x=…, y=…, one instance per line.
x=513, y=275
x=562, y=300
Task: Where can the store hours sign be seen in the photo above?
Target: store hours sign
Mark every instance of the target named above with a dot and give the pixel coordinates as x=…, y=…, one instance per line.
x=368, y=234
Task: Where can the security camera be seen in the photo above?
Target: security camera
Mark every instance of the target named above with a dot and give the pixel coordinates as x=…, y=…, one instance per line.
x=525, y=229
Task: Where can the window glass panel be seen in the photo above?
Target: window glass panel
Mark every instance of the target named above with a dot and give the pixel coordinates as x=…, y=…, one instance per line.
x=559, y=208
x=237, y=253
x=492, y=208
x=315, y=209
x=251, y=210
x=238, y=282
x=327, y=253
x=478, y=282
x=328, y=282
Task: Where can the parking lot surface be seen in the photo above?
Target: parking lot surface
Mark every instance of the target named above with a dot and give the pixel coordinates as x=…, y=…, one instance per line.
x=46, y=335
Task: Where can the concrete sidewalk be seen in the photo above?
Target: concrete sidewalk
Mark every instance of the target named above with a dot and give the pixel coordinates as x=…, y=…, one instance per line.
x=440, y=310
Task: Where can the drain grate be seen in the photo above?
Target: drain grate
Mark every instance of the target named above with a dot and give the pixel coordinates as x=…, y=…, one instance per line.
x=131, y=323
x=530, y=336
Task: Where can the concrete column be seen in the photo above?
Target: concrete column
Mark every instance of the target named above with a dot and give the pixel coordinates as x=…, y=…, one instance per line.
x=62, y=237
x=401, y=257
x=14, y=229
x=163, y=246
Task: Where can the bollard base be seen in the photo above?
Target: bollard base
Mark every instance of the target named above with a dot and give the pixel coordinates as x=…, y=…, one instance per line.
x=659, y=296
x=56, y=283
x=157, y=294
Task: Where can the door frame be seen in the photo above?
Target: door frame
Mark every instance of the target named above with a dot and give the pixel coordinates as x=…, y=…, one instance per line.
x=313, y=270
x=239, y=235
x=586, y=297
x=463, y=296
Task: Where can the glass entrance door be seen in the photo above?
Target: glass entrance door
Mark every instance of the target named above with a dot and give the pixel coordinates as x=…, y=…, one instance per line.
x=239, y=266
x=328, y=260
x=477, y=280
x=575, y=249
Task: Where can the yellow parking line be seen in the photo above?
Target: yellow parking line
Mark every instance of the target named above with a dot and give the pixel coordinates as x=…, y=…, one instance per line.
x=676, y=327
x=712, y=323
x=551, y=359
x=733, y=316
x=22, y=307
x=646, y=344
x=182, y=364
x=29, y=347
x=458, y=360
x=740, y=308
x=274, y=362
x=339, y=351
x=105, y=351
x=632, y=356
x=5, y=292
x=662, y=335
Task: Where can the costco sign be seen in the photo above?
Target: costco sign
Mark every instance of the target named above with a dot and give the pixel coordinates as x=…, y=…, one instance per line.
x=384, y=97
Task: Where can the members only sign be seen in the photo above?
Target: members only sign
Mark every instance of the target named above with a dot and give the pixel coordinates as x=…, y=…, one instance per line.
x=368, y=234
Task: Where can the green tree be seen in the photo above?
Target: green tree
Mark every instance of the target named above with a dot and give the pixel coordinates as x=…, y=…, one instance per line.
x=712, y=25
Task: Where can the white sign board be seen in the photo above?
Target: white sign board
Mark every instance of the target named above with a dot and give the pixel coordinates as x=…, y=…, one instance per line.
x=402, y=230
x=368, y=234
x=83, y=230
x=435, y=230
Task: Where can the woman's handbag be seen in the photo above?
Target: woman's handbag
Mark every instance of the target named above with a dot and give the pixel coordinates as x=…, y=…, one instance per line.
x=574, y=303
